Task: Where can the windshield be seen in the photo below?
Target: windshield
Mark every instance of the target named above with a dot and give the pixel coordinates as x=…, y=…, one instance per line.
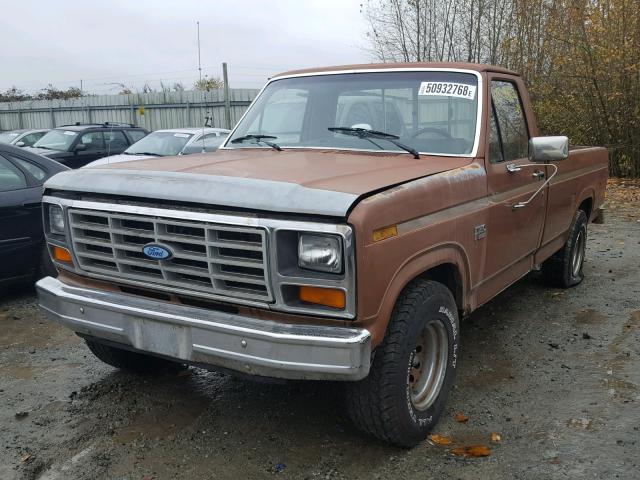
x=160, y=143
x=8, y=137
x=57, y=140
x=433, y=112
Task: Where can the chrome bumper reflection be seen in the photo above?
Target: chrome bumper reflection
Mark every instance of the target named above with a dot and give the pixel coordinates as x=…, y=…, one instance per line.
x=258, y=347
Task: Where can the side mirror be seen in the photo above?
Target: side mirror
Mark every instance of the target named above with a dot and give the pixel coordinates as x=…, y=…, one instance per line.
x=81, y=147
x=548, y=149
x=19, y=144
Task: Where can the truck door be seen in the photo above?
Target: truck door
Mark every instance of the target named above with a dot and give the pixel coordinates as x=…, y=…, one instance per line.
x=513, y=234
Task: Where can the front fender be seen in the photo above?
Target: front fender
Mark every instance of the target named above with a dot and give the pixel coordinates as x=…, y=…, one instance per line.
x=415, y=266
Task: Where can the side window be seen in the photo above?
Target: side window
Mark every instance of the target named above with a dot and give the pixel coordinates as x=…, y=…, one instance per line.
x=11, y=178
x=136, y=135
x=115, y=140
x=93, y=141
x=37, y=172
x=510, y=118
x=495, y=146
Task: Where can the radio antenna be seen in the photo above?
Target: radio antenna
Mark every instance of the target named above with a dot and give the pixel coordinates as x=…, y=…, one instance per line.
x=200, y=81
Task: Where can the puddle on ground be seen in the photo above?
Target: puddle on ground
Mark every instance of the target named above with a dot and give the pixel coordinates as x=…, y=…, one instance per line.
x=30, y=331
x=20, y=372
x=589, y=317
x=160, y=424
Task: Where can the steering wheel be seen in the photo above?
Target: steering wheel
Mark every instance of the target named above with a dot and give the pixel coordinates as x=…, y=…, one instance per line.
x=438, y=131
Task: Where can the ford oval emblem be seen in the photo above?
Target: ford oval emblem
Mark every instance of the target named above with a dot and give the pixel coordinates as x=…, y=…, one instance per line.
x=155, y=251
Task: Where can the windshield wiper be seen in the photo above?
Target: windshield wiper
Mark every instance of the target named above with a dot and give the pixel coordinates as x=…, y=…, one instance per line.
x=369, y=134
x=258, y=139
x=151, y=154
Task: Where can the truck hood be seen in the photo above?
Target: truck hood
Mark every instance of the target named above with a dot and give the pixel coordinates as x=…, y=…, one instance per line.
x=316, y=182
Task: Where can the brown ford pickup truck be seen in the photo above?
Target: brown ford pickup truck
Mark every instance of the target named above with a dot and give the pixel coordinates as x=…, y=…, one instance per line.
x=351, y=218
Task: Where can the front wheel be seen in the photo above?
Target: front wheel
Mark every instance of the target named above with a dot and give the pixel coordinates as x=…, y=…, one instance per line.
x=132, y=361
x=413, y=370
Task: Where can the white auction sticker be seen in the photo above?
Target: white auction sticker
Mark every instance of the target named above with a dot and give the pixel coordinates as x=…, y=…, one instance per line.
x=67, y=132
x=448, y=89
x=181, y=135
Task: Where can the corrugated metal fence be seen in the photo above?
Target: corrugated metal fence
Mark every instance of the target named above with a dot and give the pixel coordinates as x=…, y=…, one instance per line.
x=161, y=110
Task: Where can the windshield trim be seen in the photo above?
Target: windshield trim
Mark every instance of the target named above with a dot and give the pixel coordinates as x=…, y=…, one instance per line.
x=480, y=96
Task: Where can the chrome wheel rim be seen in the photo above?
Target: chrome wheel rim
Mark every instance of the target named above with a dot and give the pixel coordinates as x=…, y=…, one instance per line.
x=578, y=254
x=428, y=365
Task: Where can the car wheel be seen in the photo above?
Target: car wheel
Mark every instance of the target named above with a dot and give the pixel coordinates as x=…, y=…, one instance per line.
x=132, y=361
x=564, y=268
x=413, y=370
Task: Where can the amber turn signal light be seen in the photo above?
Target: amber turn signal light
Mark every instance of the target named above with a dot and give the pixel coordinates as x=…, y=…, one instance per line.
x=384, y=233
x=61, y=254
x=331, y=297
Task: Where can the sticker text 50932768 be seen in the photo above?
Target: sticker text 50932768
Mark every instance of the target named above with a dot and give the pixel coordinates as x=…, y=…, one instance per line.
x=448, y=89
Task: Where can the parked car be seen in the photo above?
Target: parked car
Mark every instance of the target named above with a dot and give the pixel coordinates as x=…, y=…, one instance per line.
x=24, y=137
x=78, y=144
x=165, y=143
x=328, y=248
x=22, y=247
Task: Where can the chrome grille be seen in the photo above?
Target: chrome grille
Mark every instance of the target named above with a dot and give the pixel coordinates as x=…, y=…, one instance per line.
x=208, y=258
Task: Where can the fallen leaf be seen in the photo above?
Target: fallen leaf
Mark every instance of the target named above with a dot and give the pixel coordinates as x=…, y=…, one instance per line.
x=495, y=437
x=478, y=451
x=461, y=417
x=472, y=451
x=440, y=440
x=26, y=458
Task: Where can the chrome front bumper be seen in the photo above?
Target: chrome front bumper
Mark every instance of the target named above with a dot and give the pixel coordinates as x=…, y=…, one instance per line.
x=236, y=342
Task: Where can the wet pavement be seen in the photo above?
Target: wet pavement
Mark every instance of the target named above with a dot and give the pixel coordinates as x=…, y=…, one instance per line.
x=554, y=373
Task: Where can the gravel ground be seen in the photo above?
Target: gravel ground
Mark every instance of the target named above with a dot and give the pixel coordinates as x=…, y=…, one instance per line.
x=555, y=373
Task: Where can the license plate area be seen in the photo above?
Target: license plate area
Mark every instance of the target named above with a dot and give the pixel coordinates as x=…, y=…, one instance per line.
x=162, y=338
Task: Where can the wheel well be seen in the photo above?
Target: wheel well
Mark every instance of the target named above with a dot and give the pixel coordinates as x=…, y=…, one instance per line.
x=449, y=276
x=586, y=206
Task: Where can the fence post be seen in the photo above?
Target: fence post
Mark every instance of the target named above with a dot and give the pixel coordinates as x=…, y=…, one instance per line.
x=132, y=110
x=20, y=124
x=227, y=100
x=89, y=119
x=53, y=117
x=188, y=114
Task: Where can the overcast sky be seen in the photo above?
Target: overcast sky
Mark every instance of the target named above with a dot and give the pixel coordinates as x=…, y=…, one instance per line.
x=133, y=42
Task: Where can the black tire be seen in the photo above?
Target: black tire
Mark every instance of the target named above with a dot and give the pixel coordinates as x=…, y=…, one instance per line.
x=132, y=361
x=46, y=267
x=382, y=403
x=561, y=270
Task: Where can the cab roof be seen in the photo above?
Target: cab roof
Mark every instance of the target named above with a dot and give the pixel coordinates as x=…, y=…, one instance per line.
x=477, y=67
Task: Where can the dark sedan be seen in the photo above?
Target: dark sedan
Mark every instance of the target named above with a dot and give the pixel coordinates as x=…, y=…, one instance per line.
x=23, y=254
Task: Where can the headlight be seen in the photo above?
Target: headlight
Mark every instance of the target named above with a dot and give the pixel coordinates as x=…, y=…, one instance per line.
x=320, y=252
x=56, y=220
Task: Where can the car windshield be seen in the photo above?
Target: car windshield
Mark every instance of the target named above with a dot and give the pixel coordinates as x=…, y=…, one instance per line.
x=8, y=137
x=433, y=112
x=57, y=140
x=160, y=143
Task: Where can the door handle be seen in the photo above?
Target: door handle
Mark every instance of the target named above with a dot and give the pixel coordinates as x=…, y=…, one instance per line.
x=538, y=174
x=513, y=168
x=540, y=188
